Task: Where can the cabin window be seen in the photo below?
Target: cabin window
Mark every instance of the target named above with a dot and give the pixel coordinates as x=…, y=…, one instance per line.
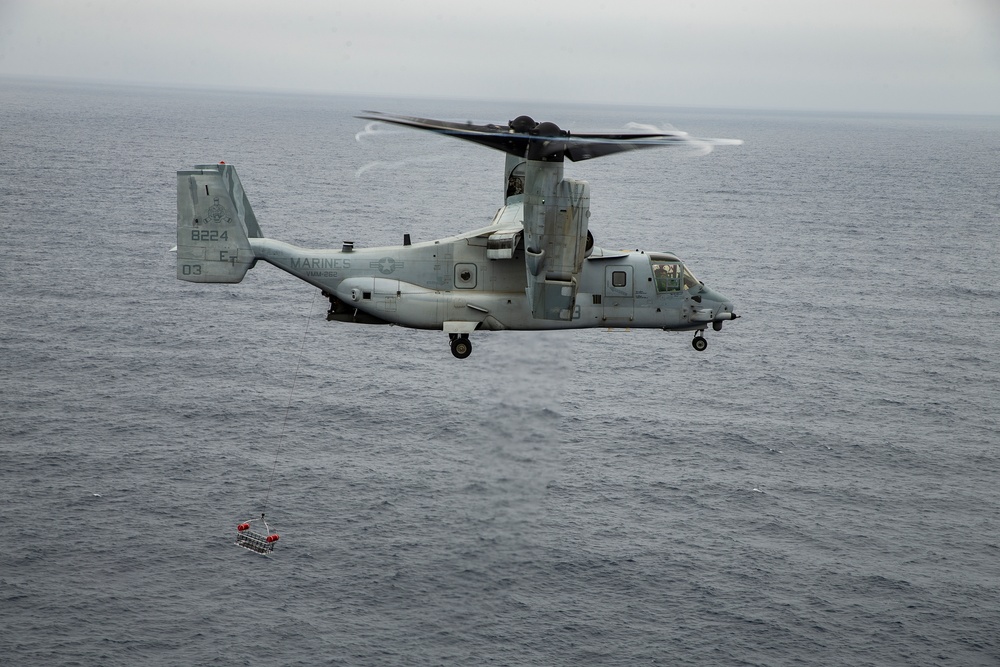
x=619, y=279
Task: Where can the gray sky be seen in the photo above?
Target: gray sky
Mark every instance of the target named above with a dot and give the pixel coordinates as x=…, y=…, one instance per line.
x=867, y=55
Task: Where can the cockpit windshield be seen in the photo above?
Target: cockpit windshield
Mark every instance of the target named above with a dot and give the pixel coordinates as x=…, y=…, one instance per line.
x=672, y=276
x=689, y=279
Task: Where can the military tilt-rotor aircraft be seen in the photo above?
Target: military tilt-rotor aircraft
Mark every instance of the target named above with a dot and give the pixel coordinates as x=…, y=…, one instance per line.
x=534, y=267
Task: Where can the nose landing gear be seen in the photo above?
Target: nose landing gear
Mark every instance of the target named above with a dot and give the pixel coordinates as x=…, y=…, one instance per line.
x=699, y=343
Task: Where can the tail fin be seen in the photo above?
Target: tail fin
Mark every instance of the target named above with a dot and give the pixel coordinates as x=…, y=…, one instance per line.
x=214, y=219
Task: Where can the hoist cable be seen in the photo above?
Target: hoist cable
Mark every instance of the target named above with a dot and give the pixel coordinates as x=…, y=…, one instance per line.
x=288, y=405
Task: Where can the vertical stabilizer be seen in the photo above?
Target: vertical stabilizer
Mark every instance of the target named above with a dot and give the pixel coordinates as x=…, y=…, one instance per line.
x=214, y=219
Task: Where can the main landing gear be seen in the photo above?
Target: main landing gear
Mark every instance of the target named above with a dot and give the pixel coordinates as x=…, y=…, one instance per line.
x=461, y=346
x=699, y=343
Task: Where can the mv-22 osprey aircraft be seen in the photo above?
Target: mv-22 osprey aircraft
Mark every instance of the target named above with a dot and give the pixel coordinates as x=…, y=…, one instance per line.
x=534, y=267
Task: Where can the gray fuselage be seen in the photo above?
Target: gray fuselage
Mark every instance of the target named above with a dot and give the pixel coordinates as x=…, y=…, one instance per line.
x=434, y=284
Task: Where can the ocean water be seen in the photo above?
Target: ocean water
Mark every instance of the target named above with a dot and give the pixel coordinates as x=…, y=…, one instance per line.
x=818, y=487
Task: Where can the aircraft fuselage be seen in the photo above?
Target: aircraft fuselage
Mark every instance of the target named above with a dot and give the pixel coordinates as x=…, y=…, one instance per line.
x=433, y=284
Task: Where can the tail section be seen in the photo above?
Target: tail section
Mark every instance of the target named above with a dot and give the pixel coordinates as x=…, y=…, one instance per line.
x=214, y=219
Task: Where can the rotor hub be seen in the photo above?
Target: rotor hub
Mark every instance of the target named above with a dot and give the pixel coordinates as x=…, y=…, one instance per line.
x=547, y=129
x=522, y=124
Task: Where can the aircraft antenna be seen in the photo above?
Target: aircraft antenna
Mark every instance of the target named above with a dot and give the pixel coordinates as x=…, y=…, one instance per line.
x=246, y=538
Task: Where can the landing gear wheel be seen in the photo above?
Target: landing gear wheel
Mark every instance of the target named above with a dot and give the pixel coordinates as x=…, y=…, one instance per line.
x=461, y=346
x=699, y=343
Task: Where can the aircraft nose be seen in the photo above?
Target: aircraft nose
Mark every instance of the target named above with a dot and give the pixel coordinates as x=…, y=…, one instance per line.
x=725, y=312
x=719, y=302
x=719, y=305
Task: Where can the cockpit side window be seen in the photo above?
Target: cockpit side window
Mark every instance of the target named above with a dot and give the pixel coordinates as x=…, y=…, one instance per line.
x=667, y=276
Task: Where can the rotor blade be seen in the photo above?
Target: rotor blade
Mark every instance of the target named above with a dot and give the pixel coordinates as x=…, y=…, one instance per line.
x=588, y=149
x=492, y=136
x=595, y=145
x=547, y=139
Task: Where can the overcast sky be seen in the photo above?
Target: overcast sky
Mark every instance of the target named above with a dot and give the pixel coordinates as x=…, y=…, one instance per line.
x=866, y=55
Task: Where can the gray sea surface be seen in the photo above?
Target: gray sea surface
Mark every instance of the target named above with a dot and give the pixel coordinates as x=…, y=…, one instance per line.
x=818, y=487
